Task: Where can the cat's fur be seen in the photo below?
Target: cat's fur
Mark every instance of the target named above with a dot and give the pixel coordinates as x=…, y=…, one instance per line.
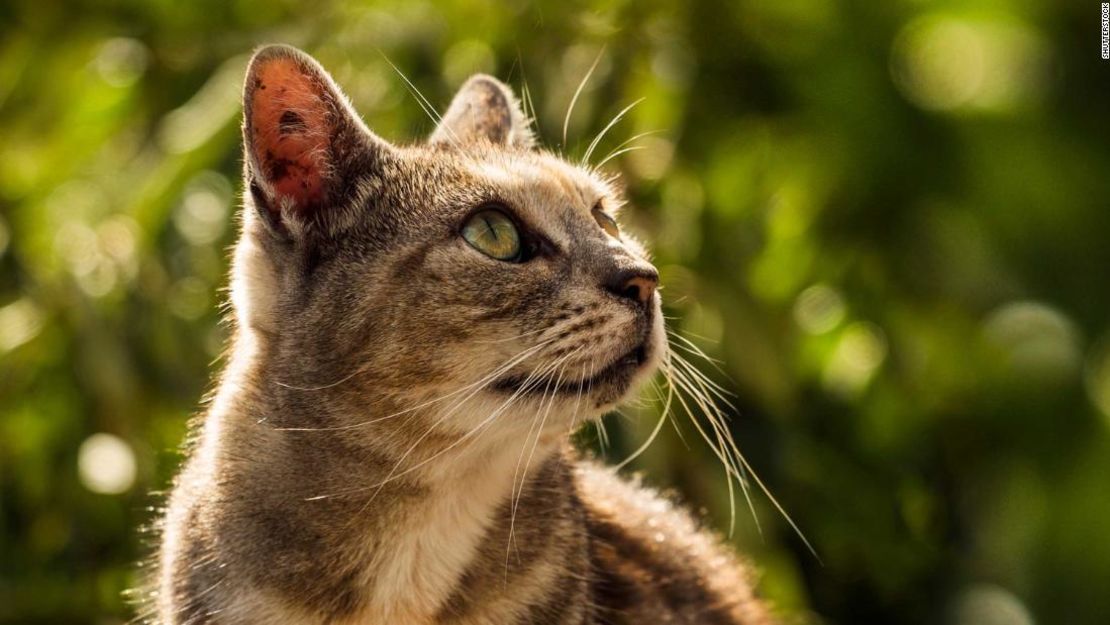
x=357, y=463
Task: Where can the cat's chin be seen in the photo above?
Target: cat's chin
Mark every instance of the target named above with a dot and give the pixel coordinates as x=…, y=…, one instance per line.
x=607, y=386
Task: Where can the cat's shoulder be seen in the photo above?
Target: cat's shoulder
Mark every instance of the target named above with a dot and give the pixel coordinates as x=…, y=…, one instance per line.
x=652, y=557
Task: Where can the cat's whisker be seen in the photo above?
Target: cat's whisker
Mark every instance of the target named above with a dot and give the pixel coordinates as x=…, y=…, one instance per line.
x=529, y=104
x=664, y=415
x=693, y=348
x=700, y=381
x=740, y=464
x=554, y=391
x=640, y=403
x=721, y=448
x=517, y=492
x=740, y=468
x=538, y=374
x=684, y=384
x=578, y=92
x=660, y=396
x=577, y=401
x=684, y=334
x=603, y=436
x=611, y=156
x=574, y=415
x=601, y=135
x=514, y=494
x=451, y=409
x=781, y=510
x=393, y=475
x=425, y=104
x=599, y=423
x=712, y=361
x=675, y=380
x=524, y=388
x=710, y=386
x=500, y=370
x=619, y=149
x=345, y=378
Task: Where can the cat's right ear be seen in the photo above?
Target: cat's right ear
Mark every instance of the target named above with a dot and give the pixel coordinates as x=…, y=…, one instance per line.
x=304, y=143
x=484, y=111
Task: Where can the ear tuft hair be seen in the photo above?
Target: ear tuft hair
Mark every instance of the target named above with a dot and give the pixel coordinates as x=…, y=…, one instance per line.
x=484, y=110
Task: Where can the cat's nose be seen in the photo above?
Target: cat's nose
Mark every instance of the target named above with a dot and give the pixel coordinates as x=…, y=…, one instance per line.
x=635, y=283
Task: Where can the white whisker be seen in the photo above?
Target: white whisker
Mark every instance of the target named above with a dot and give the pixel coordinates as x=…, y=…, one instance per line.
x=601, y=135
x=578, y=92
x=664, y=415
x=500, y=370
x=517, y=492
x=687, y=378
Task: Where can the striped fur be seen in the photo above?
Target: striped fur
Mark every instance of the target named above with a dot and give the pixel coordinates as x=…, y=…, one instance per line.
x=388, y=441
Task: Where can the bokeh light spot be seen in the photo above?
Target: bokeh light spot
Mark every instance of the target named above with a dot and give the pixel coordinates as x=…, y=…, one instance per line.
x=20, y=322
x=465, y=58
x=819, y=309
x=106, y=464
x=862, y=348
x=117, y=237
x=988, y=604
x=188, y=298
x=986, y=63
x=121, y=61
x=653, y=158
x=1096, y=376
x=1038, y=342
x=201, y=218
x=76, y=243
x=212, y=108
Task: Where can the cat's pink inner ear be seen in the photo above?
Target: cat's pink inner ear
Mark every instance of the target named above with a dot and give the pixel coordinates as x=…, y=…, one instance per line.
x=290, y=133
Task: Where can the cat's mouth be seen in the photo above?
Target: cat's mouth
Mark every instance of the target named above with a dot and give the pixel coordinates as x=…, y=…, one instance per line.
x=614, y=378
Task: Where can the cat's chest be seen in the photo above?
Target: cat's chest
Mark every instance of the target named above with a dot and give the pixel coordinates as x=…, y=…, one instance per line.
x=424, y=559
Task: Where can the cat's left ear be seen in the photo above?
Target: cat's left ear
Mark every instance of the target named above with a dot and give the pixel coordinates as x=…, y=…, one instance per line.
x=484, y=111
x=305, y=145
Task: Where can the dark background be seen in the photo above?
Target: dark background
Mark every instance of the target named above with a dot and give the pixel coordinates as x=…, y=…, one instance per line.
x=889, y=221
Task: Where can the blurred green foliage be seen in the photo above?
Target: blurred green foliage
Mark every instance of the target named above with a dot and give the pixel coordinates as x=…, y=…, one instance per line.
x=888, y=220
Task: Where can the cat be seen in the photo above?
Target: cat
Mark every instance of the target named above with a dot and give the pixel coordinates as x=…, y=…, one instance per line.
x=417, y=331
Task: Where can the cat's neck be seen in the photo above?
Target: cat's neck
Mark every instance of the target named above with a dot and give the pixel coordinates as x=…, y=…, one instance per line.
x=400, y=520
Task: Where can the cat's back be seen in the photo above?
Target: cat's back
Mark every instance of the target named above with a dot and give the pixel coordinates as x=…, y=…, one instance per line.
x=652, y=563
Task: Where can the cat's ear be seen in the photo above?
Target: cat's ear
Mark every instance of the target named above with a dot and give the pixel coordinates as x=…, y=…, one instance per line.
x=484, y=110
x=304, y=143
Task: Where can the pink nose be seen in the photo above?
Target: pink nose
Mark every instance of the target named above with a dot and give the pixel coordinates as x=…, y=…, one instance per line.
x=637, y=284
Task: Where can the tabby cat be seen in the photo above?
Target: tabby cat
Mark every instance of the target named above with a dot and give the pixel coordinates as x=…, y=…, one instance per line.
x=417, y=331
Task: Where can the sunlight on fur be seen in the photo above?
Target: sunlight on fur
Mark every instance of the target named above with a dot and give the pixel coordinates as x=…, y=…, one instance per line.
x=389, y=441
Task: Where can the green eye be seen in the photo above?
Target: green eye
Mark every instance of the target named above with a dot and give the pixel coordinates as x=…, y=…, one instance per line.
x=607, y=223
x=492, y=233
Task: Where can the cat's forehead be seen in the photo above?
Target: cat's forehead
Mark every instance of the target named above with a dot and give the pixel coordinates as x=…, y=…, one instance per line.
x=543, y=179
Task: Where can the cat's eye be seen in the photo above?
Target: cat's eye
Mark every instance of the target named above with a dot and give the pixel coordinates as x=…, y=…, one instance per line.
x=492, y=233
x=607, y=223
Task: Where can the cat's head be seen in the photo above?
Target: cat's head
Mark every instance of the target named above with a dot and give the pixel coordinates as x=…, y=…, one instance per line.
x=471, y=273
